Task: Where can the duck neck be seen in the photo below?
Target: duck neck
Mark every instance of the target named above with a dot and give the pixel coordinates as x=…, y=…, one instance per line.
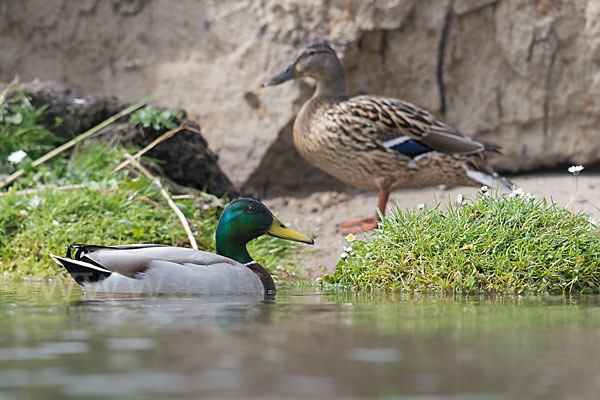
x=228, y=245
x=332, y=83
x=231, y=247
x=235, y=251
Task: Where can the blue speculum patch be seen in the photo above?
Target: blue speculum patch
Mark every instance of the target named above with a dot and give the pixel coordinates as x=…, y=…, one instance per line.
x=411, y=148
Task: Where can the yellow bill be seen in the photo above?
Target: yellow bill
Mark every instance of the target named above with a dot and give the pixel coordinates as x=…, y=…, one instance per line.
x=278, y=229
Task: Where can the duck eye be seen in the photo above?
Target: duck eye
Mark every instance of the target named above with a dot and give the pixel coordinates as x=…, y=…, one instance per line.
x=251, y=209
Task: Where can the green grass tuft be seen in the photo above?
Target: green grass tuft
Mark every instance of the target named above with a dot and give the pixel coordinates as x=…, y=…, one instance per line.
x=109, y=213
x=488, y=244
x=154, y=117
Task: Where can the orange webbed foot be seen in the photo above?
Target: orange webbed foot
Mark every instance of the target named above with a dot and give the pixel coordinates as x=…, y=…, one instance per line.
x=358, y=225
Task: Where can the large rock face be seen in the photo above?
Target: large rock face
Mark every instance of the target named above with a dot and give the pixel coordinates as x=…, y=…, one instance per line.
x=522, y=74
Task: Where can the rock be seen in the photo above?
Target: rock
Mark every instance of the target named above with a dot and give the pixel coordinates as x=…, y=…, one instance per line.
x=382, y=14
x=522, y=74
x=282, y=171
x=185, y=157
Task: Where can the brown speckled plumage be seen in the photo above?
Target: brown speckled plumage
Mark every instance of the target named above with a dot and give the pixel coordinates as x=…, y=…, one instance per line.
x=345, y=138
x=350, y=138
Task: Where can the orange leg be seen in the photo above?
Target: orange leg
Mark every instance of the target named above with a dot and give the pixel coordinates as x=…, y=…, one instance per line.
x=383, y=195
x=366, y=224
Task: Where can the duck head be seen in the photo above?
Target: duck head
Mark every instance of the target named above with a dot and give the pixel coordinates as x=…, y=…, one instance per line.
x=319, y=62
x=244, y=220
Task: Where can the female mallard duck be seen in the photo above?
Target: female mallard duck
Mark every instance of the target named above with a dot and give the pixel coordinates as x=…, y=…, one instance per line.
x=377, y=143
x=152, y=268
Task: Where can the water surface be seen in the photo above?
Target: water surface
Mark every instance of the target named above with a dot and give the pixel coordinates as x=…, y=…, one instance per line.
x=55, y=343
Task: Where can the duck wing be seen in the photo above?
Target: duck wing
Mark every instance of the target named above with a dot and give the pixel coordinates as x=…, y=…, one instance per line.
x=132, y=259
x=401, y=126
x=129, y=260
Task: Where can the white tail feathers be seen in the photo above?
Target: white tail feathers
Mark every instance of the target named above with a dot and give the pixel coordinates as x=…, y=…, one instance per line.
x=492, y=181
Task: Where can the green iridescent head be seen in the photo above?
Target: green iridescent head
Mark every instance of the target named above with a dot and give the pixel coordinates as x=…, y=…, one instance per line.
x=244, y=220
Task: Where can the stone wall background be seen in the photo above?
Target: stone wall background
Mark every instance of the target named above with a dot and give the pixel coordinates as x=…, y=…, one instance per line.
x=523, y=74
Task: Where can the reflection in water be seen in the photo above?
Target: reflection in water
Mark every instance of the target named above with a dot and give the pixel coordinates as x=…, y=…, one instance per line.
x=54, y=343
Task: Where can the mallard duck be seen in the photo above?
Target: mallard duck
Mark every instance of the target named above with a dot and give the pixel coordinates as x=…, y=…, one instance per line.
x=377, y=143
x=157, y=269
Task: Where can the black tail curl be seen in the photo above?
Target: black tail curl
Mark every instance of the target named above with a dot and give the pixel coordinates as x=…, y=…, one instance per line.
x=81, y=267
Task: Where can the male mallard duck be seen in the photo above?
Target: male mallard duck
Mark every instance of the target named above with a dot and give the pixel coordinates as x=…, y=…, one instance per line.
x=152, y=268
x=377, y=143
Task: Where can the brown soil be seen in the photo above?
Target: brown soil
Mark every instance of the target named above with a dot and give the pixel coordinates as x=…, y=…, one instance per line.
x=319, y=213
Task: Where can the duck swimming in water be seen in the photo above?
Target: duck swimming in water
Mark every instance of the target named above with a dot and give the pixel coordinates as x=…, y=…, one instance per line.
x=160, y=269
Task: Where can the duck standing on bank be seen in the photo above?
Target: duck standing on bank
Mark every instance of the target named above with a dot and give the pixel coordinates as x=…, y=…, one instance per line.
x=159, y=269
x=377, y=143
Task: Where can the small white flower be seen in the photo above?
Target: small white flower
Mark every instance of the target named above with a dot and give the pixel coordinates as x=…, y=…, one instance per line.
x=35, y=202
x=343, y=255
x=348, y=249
x=79, y=100
x=350, y=237
x=420, y=206
x=575, y=169
x=55, y=222
x=459, y=198
x=16, y=156
x=484, y=189
x=318, y=279
x=521, y=194
x=516, y=193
